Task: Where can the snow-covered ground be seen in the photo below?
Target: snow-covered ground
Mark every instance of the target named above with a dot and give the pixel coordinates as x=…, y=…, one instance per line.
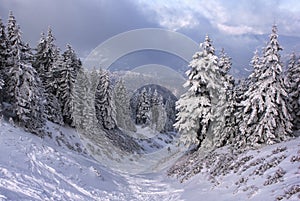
x=59, y=168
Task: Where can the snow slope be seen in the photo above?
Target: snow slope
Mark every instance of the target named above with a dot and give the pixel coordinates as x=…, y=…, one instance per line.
x=59, y=168
x=39, y=169
x=269, y=173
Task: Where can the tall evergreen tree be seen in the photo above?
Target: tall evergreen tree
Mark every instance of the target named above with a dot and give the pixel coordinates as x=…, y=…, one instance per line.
x=23, y=84
x=45, y=63
x=195, y=107
x=3, y=58
x=71, y=58
x=292, y=81
x=80, y=103
x=158, y=112
x=64, y=80
x=256, y=65
x=143, y=108
x=224, y=129
x=266, y=117
x=84, y=112
x=171, y=114
x=3, y=48
x=104, y=103
x=122, y=104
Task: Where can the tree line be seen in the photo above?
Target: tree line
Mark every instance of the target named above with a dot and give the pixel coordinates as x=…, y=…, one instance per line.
x=261, y=109
x=43, y=83
x=36, y=83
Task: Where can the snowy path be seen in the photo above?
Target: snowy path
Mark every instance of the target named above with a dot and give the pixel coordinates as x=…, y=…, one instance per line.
x=33, y=169
x=151, y=187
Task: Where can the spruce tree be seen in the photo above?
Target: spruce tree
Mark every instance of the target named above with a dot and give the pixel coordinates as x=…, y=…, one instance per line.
x=45, y=62
x=224, y=129
x=292, y=81
x=3, y=49
x=23, y=84
x=122, y=104
x=64, y=80
x=158, y=112
x=80, y=103
x=266, y=117
x=3, y=58
x=256, y=65
x=195, y=107
x=171, y=114
x=143, y=108
x=104, y=103
x=71, y=58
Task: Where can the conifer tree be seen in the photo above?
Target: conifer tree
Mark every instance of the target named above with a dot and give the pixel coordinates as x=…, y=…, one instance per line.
x=224, y=129
x=195, y=107
x=71, y=58
x=45, y=63
x=143, y=108
x=80, y=103
x=23, y=84
x=292, y=81
x=171, y=114
x=104, y=103
x=122, y=104
x=3, y=49
x=266, y=118
x=158, y=112
x=3, y=58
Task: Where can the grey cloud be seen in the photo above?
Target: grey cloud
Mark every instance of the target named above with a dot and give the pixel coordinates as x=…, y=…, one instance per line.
x=83, y=24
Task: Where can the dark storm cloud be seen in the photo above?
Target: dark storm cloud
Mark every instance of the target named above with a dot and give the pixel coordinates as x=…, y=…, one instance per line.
x=83, y=24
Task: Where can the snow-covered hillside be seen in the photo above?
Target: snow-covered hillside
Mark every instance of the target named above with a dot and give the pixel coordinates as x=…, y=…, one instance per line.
x=58, y=168
x=269, y=173
x=53, y=169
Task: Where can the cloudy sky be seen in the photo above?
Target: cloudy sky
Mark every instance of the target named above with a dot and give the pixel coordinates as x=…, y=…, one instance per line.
x=87, y=23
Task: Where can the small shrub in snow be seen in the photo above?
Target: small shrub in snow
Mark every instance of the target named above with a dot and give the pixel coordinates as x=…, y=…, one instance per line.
x=295, y=159
x=268, y=165
x=290, y=192
x=279, y=149
x=277, y=177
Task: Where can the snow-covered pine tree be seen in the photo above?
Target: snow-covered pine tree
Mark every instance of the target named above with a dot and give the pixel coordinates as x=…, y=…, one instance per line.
x=266, y=117
x=256, y=65
x=195, y=114
x=44, y=62
x=71, y=57
x=158, y=112
x=143, y=108
x=122, y=104
x=51, y=86
x=3, y=48
x=224, y=129
x=162, y=115
x=67, y=68
x=104, y=103
x=40, y=57
x=154, y=108
x=240, y=95
x=23, y=84
x=171, y=114
x=3, y=58
x=80, y=103
x=90, y=111
x=292, y=81
x=84, y=112
x=65, y=80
